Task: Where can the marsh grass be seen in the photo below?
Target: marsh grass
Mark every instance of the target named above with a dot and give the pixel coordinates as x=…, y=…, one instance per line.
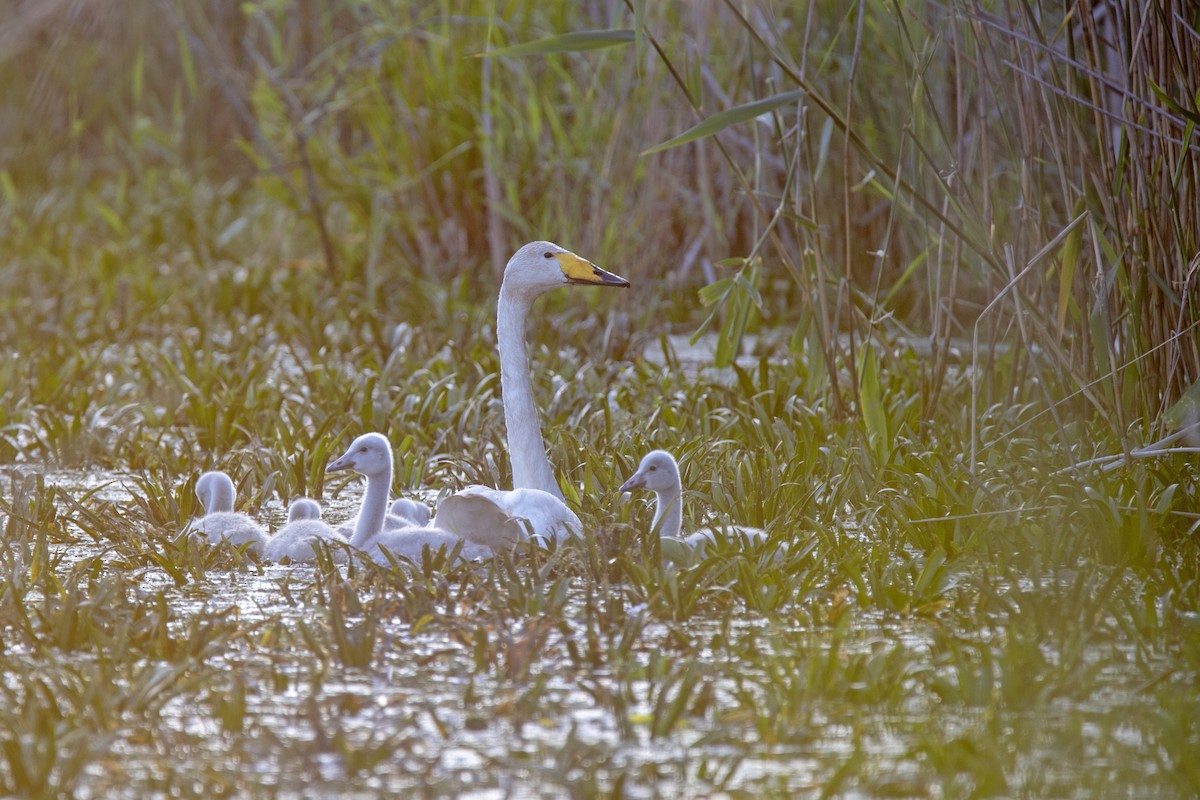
x=242, y=256
x=913, y=595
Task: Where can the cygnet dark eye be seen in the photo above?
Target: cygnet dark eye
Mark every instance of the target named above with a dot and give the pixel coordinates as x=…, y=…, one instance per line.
x=547, y=254
x=652, y=468
x=362, y=449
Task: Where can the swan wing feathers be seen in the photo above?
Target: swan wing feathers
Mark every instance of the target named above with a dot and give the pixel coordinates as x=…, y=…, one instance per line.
x=295, y=541
x=479, y=519
x=393, y=522
x=499, y=518
x=678, y=551
x=737, y=535
x=411, y=542
x=231, y=526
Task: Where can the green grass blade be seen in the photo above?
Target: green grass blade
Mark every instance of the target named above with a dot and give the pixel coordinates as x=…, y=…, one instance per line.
x=727, y=119
x=1070, y=258
x=870, y=399
x=577, y=42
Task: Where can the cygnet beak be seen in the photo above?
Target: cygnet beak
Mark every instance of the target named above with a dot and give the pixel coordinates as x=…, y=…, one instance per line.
x=341, y=465
x=638, y=481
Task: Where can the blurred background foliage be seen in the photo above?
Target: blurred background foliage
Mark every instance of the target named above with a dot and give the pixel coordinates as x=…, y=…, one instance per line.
x=1010, y=184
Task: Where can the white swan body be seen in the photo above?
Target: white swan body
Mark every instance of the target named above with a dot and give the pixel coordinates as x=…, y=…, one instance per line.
x=499, y=518
x=370, y=455
x=295, y=541
x=658, y=472
x=220, y=522
x=410, y=542
x=535, y=503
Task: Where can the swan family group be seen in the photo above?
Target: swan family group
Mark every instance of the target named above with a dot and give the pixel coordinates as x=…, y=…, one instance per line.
x=477, y=520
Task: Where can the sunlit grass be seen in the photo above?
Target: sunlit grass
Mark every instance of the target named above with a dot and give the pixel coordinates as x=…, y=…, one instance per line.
x=957, y=613
x=914, y=597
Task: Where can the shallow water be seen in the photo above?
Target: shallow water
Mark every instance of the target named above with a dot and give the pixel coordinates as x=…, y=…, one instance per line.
x=412, y=704
x=780, y=707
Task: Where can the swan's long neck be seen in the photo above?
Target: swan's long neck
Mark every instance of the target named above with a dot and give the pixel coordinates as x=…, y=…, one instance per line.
x=668, y=512
x=530, y=466
x=219, y=497
x=374, y=508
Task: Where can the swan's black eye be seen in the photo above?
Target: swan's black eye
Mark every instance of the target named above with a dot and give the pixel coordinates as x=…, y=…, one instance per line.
x=652, y=468
x=362, y=449
x=547, y=254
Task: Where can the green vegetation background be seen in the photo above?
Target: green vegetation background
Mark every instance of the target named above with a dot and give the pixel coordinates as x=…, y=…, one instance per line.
x=962, y=239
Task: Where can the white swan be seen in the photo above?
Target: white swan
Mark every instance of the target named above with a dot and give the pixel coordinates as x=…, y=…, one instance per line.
x=496, y=517
x=370, y=455
x=220, y=522
x=659, y=473
x=295, y=540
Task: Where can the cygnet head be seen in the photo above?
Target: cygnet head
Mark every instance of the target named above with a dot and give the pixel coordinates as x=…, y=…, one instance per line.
x=541, y=266
x=304, y=508
x=369, y=454
x=658, y=472
x=410, y=510
x=216, y=492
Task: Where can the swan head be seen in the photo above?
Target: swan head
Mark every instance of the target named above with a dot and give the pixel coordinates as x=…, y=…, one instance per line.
x=369, y=454
x=541, y=266
x=304, y=508
x=216, y=492
x=658, y=472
